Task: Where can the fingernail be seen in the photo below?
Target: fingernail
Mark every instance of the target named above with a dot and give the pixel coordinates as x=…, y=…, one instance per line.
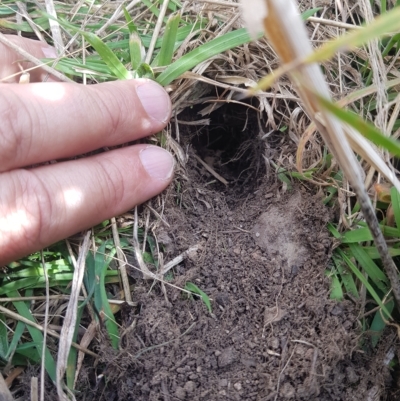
x=155, y=100
x=157, y=162
x=49, y=52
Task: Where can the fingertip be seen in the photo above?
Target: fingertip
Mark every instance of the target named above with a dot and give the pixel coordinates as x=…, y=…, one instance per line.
x=157, y=162
x=154, y=99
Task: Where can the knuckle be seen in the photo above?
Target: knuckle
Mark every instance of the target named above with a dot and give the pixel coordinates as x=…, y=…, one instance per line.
x=13, y=139
x=25, y=215
x=111, y=182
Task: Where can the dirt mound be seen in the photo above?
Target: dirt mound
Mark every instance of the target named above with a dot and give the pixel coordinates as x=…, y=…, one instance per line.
x=262, y=258
x=273, y=334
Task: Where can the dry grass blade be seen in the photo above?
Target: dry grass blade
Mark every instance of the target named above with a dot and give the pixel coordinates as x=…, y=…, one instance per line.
x=288, y=36
x=121, y=261
x=5, y=394
x=52, y=333
x=34, y=60
x=55, y=27
x=68, y=328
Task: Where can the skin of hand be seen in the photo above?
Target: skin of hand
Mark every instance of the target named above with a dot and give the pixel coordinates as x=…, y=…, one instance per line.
x=46, y=121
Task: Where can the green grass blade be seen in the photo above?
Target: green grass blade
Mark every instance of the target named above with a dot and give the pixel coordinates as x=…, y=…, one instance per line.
x=396, y=206
x=336, y=292
x=202, y=53
x=196, y=290
x=41, y=22
x=131, y=25
x=374, y=254
x=169, y=40
x=361, y=277
x=37, y=336
x=19, y=330
x=378, y=324
x=332, y=229
x=4, y=346
x=346, y=277
x=96, y=266
x=370, y=267
x=364, y=128
x=363, y=234
x=136, y=50
x=107, y=55
x=381, y=26
x=310, y=13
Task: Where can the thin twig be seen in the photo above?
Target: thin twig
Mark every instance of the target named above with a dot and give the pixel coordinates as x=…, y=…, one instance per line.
x=34, y=60
x=178, y=259
x=70, y=320
x=63, y=297
x=156, y=31
x=211, y=170
x=336, y=24
x=121, y=261
x=37, y=326
x=117, y=15
x=46, y=319
x=55, y=27
x=147, y=274
x=141, y=352
x=5, y=394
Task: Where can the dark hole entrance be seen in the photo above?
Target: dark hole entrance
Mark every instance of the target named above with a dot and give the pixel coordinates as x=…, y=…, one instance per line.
x=231, y=144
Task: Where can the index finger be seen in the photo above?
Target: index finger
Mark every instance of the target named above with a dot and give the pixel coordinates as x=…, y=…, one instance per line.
x=47, y=121
x=10, y=60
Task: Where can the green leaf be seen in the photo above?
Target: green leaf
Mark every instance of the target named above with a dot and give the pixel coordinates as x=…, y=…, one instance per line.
x=396, y=206
x=374, y=254
x=96, y=268
x=196, y=290
x=310, y=13
x=346, y=276
x=363, y=127
x=381, y=26
x=131, y=25
x=169, y=40
x=204, y=52
x=363, y=234
x=361, y=277
x=374, y=272
x=107, y=55
x=3, y=337
x=41, y=22
x=115, y=66
x=18, y=331
x=378, y=324
x=136, y=50
x=37, y=336
x=336, y=288
x=332, y=229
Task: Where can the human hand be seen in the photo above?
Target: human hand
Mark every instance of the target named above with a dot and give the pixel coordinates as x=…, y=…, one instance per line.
x=46, y=121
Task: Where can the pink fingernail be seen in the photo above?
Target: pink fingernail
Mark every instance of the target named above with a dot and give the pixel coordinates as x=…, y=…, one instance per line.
x=157, y=162
x=49, y=52
x=155, y=100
